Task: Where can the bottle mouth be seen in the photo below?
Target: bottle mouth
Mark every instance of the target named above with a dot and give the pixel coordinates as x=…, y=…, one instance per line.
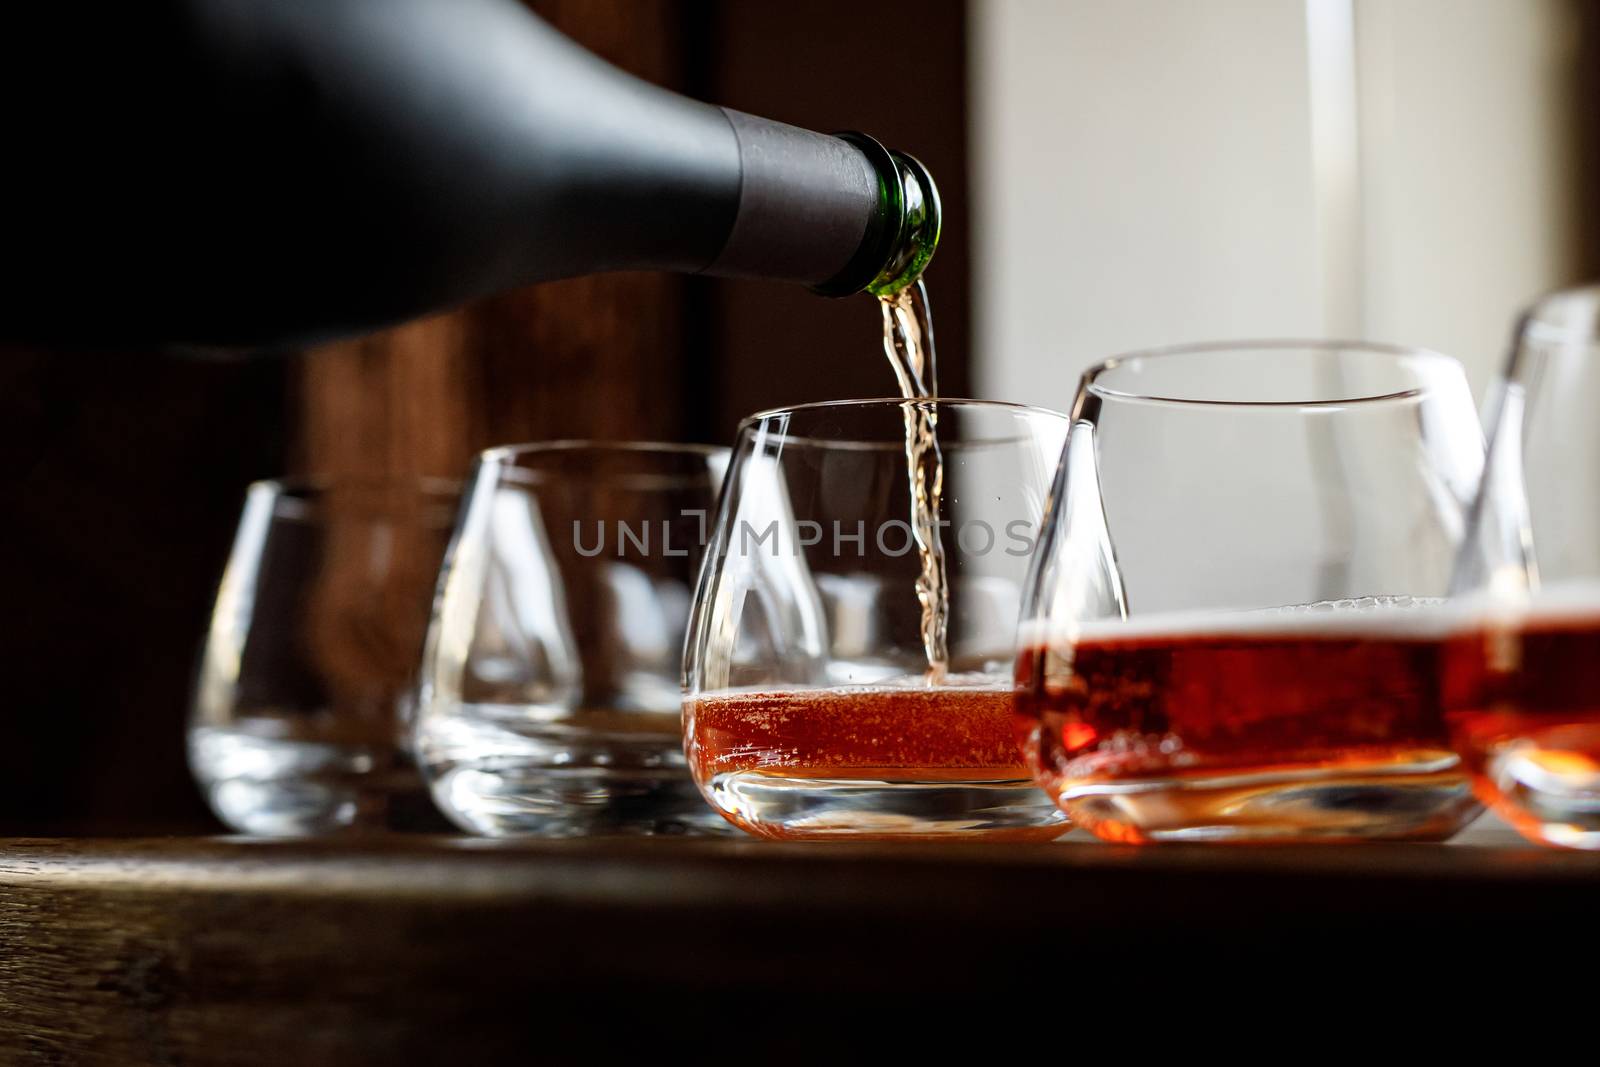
x=900, y=239
x=919, y=237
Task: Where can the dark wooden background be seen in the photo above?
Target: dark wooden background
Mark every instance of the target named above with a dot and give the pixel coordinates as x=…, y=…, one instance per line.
x=123, y=472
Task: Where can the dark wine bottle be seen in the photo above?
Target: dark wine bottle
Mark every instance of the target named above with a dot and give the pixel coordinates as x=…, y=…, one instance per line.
x=276, y=172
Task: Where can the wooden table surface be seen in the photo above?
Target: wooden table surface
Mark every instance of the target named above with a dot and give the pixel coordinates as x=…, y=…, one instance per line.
x=401, y=950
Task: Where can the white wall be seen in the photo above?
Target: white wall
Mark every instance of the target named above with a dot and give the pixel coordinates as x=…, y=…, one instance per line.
x=1468, y=191
x=1157, y=171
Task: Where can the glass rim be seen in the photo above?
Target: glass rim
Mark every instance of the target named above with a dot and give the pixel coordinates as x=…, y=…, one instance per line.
x=580, y=445
x=305, y=498
x=516, y=465
x=304, y=487
x=879, y=402
x=1320, y=347
x=1547, y=321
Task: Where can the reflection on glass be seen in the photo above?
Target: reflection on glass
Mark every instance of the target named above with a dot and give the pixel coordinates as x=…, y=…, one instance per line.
x=1523, y=683
x=810, y=710
x=309, y=672
x=1231, y=632
x=550, y=682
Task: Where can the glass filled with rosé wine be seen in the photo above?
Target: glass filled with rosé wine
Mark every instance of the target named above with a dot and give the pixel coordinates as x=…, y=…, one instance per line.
x=848, y=665
x=1522, y=678
x=1233, y=627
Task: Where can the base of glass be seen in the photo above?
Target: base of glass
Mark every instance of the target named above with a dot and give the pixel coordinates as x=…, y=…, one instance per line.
x=789, y=808
x=1428, y=800
x=501, y=800
x=1547, y=787
x=278, y=787
x=495, y=772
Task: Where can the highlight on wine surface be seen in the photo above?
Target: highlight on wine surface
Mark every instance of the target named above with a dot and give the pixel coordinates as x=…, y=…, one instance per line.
x=814, y=704
x=1523, y=677
x=1231, y=630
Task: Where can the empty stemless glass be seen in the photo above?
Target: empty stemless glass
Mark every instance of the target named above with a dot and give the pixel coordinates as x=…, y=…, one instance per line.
x=299, y=724
x=1227, y=635
x=809, y=706
x=550, y=701
x=1523, y=677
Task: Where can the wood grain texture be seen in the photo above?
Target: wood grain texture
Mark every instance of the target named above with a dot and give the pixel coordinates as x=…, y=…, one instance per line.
x=449, y=950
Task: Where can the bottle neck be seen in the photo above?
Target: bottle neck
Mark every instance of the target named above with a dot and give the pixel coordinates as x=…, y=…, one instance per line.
x=902, y=233
x=839, y=214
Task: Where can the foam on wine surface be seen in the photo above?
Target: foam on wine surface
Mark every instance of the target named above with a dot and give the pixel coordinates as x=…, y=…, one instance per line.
x=887, y=760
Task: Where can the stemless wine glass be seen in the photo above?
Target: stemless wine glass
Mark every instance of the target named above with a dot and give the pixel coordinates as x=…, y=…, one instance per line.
x=309, y=671
x=1523, y=676
x=1230, y=632
x=809, y=707
x=550, y=696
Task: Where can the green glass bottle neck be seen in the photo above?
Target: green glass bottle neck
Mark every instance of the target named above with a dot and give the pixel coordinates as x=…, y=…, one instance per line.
x=901, y=236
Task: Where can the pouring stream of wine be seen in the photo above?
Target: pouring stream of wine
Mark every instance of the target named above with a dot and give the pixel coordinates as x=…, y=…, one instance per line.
x=908, y=342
